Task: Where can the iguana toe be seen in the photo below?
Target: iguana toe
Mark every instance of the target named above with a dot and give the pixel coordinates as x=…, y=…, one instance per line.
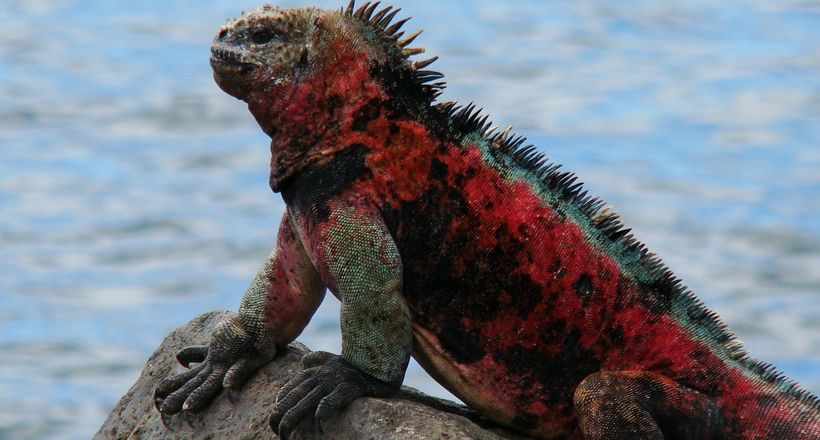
x=194, y=354
x=240, y=372
x=205, y=392
x=341, y=396
x=170, y=384
x=174, y=402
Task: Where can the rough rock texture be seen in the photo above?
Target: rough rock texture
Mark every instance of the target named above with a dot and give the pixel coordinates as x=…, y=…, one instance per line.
x=410, y=415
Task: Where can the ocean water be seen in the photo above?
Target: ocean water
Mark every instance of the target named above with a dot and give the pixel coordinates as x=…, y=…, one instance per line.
x=133, y=193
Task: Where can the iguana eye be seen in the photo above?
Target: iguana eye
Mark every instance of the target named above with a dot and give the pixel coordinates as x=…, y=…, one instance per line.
x=262, y=36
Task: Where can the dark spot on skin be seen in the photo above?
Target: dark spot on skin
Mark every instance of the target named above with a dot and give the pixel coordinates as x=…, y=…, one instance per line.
x=765, y=401
x=616, y=336
x=438, y=170
x=465, y=346
x=525, y=421
x=557, y=375
x=550, y=301
x=394, y=129
x=459, y=180
x=365, y=114
x=501, y=232
x=391, y=218
x=658, y=296
x=470, y=172
x=584, y=288
x=527, y=296
x=572, y=340
x=661, y=365
x=435, y=232
x=311, y=189
x=623, y=285
x=696, y=313
x=334, y=102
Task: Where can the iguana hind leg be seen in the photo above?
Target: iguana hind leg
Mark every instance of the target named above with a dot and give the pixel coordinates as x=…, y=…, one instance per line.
x=643, y=405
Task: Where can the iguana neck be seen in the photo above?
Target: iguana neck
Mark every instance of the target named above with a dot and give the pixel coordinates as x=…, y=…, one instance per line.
x=322, y=114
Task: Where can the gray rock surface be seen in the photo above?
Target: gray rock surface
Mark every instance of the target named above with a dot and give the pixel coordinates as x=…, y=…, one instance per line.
x=409, y=415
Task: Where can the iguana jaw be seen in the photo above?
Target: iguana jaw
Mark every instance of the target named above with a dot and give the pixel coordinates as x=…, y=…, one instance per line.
x=228, y=60
x=232, y=70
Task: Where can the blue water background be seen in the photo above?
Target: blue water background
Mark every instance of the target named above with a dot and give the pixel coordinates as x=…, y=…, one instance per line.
x=133, y=193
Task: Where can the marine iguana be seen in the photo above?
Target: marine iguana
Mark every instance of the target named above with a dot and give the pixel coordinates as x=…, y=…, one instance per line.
x=451, y=241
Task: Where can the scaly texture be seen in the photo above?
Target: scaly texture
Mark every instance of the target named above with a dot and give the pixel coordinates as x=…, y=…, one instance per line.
x=443, y=237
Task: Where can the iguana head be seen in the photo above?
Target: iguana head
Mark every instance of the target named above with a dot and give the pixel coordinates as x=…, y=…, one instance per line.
x=262, y=48
x=305, y=73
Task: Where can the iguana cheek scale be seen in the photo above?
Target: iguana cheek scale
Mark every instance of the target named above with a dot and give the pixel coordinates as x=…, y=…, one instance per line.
x=522, y=295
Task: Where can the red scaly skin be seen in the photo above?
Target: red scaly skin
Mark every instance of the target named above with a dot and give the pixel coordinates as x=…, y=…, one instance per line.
x=520, y=304
x=292, y=287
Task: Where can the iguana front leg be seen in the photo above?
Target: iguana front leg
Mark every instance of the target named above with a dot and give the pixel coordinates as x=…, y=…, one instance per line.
x=360, y=263
x=275, y=309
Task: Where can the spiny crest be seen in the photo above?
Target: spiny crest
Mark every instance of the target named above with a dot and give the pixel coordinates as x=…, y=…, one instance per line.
x=766, y=373
x=381, y=22
x=607, y=223
x=469, y=119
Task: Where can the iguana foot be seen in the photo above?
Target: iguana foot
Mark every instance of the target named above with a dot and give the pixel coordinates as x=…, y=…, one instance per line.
x=328, y=384
x=643, y=405
x=227, y=362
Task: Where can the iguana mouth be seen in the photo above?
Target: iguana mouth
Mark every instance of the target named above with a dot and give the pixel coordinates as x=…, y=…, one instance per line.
x=230, y=58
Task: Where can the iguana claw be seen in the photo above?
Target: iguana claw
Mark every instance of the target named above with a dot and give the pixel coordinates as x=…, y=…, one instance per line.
x=323, y=390
x=232, y=395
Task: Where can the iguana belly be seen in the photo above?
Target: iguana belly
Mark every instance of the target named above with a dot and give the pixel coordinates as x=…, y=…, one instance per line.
x=485, y=387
